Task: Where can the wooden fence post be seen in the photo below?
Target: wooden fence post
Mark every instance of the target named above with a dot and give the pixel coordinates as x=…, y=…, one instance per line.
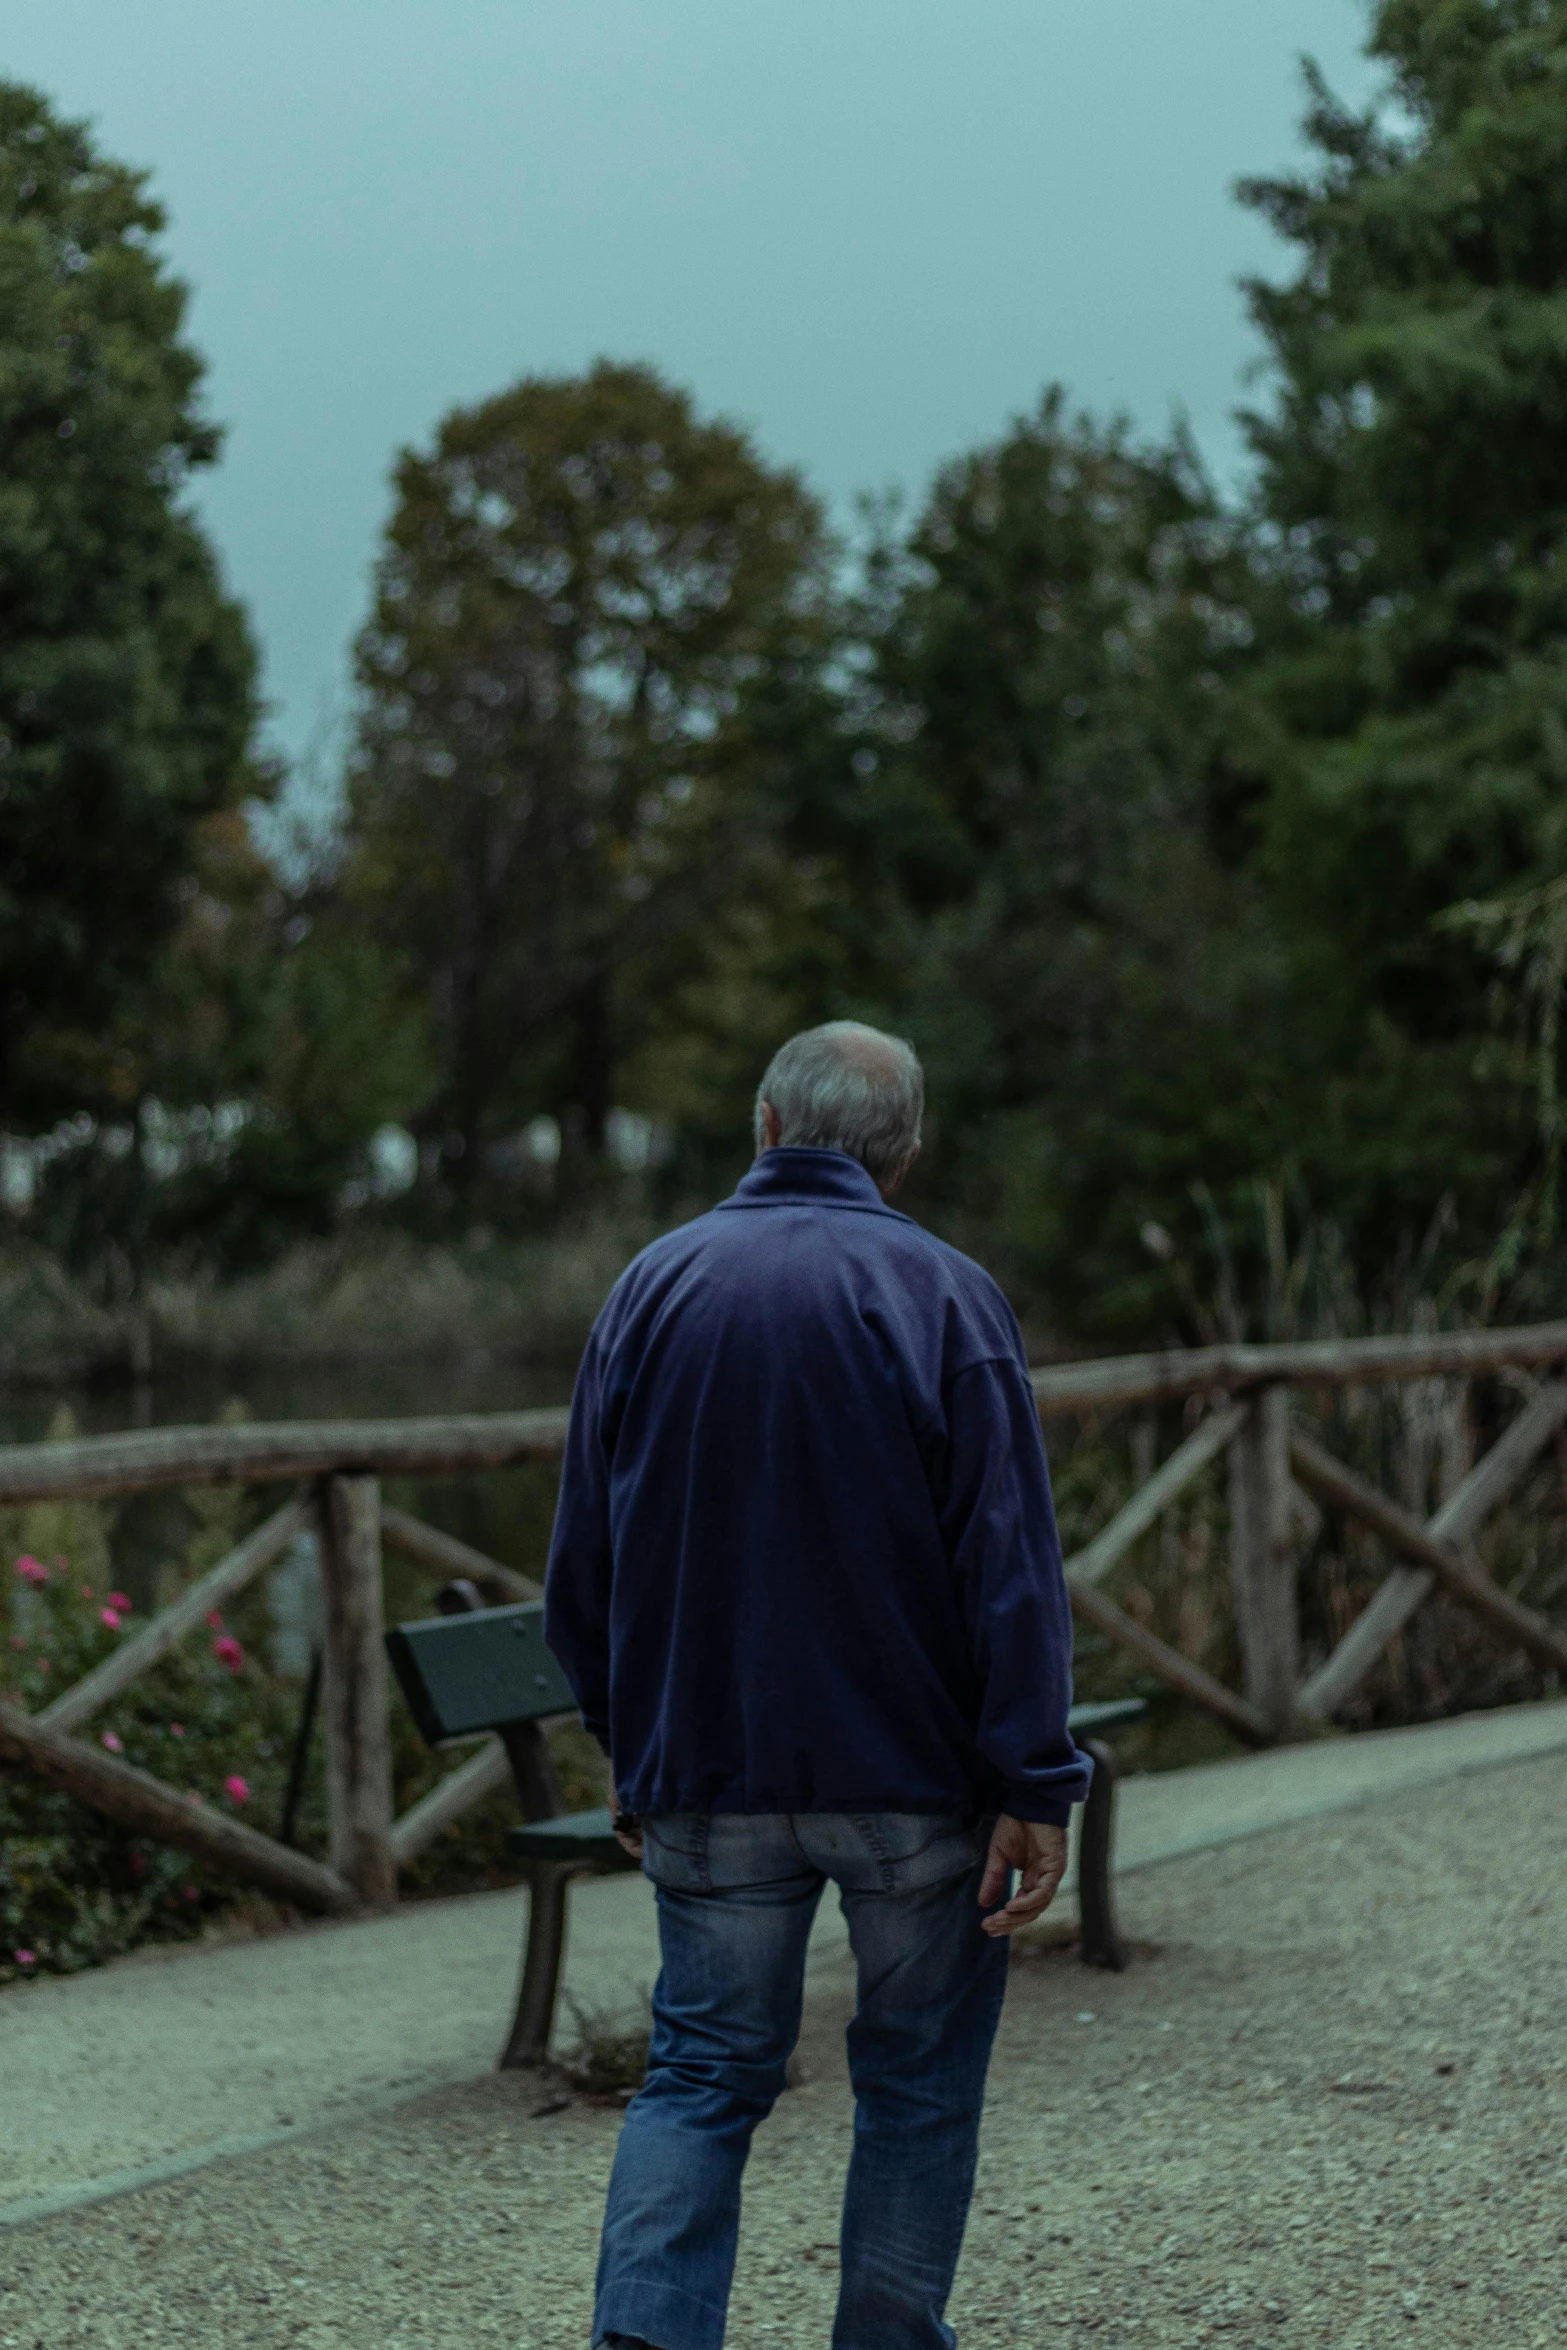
x=354, y=1689
x=1262, y=1562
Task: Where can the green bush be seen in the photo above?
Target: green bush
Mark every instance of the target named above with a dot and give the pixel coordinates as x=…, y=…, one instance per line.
x=74, y=1888
x=210, y=1718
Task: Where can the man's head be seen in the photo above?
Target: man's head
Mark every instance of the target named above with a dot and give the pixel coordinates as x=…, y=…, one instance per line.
x=845, y=1087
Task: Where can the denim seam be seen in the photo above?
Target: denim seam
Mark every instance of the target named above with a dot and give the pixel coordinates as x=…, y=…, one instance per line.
x=870, y=1827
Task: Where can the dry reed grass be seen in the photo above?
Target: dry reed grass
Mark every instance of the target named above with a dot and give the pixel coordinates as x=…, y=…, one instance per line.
x=342, y=1300
x=1417, y=1441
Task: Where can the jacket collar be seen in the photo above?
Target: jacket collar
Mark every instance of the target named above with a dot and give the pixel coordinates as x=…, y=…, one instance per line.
x=793, y=1175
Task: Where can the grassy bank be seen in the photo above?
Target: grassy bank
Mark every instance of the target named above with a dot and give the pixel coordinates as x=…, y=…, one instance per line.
x=355, y=1299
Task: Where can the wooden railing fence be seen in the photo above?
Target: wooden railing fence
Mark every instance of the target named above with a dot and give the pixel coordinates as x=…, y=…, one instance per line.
x=339, y=1466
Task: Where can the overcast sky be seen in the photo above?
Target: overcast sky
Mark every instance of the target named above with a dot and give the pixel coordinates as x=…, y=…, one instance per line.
x=869, y=229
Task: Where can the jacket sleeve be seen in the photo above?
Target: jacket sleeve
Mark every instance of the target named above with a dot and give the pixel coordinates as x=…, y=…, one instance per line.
x=999, y=1525
x=581, y=1560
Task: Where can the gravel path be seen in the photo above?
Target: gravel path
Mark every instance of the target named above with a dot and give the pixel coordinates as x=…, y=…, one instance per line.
x=1325, y=2110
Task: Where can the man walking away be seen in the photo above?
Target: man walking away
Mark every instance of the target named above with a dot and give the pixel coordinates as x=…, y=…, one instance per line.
x=806, y=1584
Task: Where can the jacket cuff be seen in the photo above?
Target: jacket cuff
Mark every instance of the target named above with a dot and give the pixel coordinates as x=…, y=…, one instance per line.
x=1044, y=1811
x=598, y=1731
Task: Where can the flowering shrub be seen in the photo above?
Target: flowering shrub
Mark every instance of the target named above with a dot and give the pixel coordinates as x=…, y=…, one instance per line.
x=208, y=1718
x=75, y=1888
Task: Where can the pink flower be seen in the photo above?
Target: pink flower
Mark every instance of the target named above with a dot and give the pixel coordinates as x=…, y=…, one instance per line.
x=106, y=1615
x=25, y=1957
x=86, y=1591
x=176, y=1729
x=237, y=1788
x=229, y=1653
x=138, y=1864
x=19, y=1640
x=215, y=1620
x=117, y=1599
x=191, y=1894
x=32, y=1570
x=112, y=1742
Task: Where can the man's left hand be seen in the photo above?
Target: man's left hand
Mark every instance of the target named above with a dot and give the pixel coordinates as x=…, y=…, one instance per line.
x=1039, y=1852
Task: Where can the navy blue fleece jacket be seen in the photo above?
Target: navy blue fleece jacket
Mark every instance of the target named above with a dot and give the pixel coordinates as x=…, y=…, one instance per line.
x=805, y=1556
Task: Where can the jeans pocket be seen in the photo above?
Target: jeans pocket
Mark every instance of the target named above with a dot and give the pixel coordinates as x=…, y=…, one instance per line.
x=674, y=1851
x=915, y=1849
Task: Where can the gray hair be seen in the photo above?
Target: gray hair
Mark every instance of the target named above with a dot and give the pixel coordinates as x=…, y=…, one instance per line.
x=846, y=1087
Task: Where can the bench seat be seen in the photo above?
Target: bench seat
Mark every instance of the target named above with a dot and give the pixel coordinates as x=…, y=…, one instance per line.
x=576, y=1835
x=477, y=1668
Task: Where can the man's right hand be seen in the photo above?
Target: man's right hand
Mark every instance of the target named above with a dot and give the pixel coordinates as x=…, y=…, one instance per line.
x=628, y=1842
x=1039, y=1852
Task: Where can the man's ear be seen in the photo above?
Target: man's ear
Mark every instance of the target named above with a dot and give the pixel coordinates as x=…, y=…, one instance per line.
x=772, y=1127
x=890, y=1186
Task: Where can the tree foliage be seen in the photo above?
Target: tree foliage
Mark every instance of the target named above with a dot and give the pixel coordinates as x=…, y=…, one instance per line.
x=257, y=1060
x=1413, y=719
x=1147, y=818
x=1212, y=853
x=1075, y=610
x=578, y=580
x=126, y=673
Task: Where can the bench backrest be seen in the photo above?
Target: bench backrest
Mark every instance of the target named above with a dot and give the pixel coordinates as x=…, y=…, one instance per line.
x=1109, y=1714
x=484, y=1669
x=465, y=1673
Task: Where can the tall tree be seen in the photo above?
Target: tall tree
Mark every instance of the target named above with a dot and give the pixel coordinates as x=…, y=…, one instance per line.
x=579, y=579
x=1084, y=966
x=1414, y=471
x=1002, y=806
x=126, y=674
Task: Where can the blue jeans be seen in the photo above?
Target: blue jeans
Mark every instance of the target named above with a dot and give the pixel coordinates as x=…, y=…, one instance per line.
x=736, y=1897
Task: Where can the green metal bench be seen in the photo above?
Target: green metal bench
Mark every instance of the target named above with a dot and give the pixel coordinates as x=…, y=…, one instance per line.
x=474, y=1668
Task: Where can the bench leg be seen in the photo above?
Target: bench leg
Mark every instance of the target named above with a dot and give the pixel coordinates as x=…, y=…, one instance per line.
x=529, y=2042
x=532, y=1770
x=1101, y=1945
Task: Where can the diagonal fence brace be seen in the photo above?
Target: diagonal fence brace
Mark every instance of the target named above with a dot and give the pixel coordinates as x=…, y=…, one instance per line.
x=135, y=1655
x=1168, y=1663
x=1461, y=1515
x=1341, y=1489
x=1130, y=1523
x=143, y=1804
